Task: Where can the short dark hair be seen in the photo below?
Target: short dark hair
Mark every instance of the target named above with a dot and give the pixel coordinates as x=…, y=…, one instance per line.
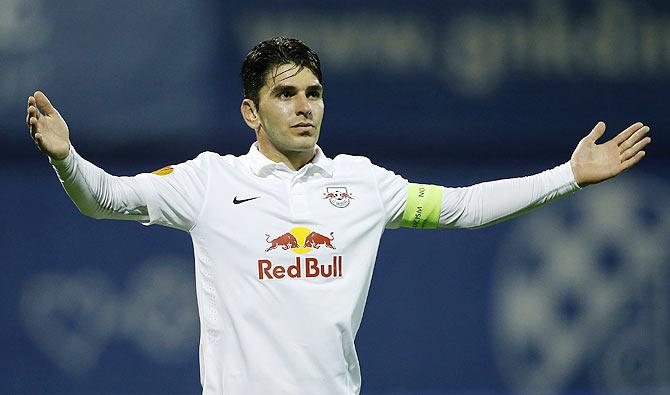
x=271, y=53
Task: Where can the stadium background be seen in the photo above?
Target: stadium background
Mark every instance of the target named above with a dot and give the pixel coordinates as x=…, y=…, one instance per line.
x=571, y=299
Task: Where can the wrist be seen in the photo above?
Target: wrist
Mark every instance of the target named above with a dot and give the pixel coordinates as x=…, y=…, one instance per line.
x=576, y=173
x=60, y=157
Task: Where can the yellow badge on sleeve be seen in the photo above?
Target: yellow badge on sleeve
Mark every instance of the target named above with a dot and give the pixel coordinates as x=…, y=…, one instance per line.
x=422, y=210
x=163, y=171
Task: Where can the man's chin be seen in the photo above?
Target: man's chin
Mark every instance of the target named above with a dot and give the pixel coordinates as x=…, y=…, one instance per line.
x=304, y=143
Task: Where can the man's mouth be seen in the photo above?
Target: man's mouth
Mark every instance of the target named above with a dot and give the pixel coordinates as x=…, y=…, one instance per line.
x=303, y=125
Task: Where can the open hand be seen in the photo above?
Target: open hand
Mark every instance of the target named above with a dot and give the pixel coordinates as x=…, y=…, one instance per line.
x=47, y=128
x=592, y=163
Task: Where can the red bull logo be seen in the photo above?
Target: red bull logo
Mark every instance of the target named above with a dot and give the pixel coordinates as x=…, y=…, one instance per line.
x=285, y=241
x=300, y=240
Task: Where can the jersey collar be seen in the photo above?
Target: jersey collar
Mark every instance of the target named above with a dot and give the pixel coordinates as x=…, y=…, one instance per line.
x=263, y=166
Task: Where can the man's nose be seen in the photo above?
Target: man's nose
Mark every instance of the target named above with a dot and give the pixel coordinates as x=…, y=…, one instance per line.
x=303, y=106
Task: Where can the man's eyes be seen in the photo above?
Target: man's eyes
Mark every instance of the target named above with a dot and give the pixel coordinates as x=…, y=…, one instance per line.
x=288, y=95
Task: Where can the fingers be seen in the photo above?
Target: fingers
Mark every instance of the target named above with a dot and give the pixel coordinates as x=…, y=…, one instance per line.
x=32, y=115
x=44, y=104
x=623, y=136
x=31, y=110
x=32, y=127
x=631, y=144
x=633, y=150
x=632, y=161
x=596, y=133
x=633, y=139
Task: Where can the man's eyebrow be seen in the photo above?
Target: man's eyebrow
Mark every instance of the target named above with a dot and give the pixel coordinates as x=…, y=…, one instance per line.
x=282, y=88
x=289, y=88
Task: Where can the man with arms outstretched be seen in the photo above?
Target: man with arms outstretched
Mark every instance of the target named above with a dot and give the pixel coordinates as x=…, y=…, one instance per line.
x=284, y=237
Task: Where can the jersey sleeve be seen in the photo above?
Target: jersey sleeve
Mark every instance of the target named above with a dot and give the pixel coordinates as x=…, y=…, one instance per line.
x=490, y=202
x=174, y=195
x=423, y=206
x=393, y=194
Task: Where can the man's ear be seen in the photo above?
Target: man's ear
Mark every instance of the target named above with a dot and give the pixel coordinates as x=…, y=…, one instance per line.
x=250, y=114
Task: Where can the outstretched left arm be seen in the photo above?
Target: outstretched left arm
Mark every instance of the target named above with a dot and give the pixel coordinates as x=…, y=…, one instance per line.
x=486, y=203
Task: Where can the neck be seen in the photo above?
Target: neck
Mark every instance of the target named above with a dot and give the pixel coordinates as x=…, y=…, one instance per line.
x=293, y=160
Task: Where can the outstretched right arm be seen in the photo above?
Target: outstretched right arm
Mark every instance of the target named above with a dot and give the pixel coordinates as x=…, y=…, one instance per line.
x=173, y=197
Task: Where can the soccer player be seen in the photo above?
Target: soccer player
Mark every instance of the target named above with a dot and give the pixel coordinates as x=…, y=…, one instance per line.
x=285, y=238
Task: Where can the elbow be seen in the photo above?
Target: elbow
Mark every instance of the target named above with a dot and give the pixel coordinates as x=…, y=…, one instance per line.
x=91, y=212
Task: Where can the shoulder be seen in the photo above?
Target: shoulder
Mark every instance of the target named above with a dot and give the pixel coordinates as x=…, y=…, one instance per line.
x=201, y=163
x=209, y=158
x=213, y=156
x=358, y=162
x=360, y=165
x=351, y=166
x=346, y=160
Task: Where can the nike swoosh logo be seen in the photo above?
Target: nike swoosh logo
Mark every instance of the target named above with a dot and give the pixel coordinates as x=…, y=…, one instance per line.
x=238, y=201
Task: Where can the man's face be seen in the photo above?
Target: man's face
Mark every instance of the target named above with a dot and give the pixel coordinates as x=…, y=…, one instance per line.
x=290, y=110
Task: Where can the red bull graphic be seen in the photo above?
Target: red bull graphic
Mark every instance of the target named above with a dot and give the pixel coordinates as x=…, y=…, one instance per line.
x=317, y=240
x=284, y=241
x=300, y=240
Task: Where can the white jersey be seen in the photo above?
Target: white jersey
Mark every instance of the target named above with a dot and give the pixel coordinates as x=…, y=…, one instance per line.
x=284, y=258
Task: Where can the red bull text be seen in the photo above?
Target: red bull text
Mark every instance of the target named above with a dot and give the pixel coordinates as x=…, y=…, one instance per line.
x=300, y=240
x=307, y=267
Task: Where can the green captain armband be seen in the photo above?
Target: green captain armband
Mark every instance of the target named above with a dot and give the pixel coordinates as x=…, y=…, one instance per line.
x=422, y=210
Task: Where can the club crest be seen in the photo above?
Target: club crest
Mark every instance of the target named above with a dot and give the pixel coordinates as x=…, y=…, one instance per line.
x=338, y=196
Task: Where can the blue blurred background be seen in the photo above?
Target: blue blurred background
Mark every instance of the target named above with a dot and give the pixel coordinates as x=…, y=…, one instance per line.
x=571, y=299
